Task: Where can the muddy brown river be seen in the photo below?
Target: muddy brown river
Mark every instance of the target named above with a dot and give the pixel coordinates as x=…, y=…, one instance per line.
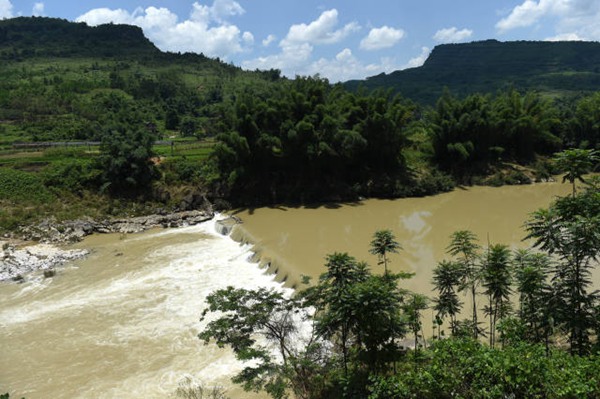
x=122, y=323
x=295, y=241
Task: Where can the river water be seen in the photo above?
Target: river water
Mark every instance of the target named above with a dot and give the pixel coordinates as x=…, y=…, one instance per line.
x=122, y=323
x=295, y=241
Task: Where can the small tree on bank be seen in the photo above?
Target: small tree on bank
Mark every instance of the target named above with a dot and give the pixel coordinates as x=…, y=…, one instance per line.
x=575, y=163
x=464, y=247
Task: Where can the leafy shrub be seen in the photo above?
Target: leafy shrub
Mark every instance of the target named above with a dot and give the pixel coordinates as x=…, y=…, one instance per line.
x=182, y=170
x=467, y=369
x=19, y=186
x=71, y=174
x=433, y=183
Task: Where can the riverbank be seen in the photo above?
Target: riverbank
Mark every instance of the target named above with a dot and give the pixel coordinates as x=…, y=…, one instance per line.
x=16, y=263
x=39, y=247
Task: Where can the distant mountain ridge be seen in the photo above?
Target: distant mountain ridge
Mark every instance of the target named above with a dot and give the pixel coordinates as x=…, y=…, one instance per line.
x=552, y=68
x=52, y=37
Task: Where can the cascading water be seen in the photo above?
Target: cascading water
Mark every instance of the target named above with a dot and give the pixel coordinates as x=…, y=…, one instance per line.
x=123, y=323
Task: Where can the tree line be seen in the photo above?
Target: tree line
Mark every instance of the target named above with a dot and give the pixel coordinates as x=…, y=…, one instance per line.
x=308, y=140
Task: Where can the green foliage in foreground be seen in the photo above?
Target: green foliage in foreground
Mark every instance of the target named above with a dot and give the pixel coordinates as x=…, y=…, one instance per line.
x=6, y=396
x=465, y=368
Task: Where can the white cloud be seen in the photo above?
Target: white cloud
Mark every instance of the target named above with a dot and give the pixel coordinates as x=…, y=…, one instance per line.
x=205, y=31
x=523, y=15
x=296, y=49
x=383, y=37
x=38, y=9
x=345, y=66
x=452, y=35
x=320, y=31
x=6, y=9
x=565, y=37
x=290, y=60
x=268, y=40
x=418, y=60
x=222, y=9
x=572, y=18
x=248, y=38
x=99, y=16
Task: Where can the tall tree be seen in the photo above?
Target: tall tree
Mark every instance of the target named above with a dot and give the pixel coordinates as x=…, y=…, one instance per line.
x=496, y=278
x=384, y=242
x=414, y=305
x=334, y=314
x=464, y=247
x=570, y=231
x=125, y=159
x=446, y=281
x=536, y=302
x=379, y=319
x=261, y=327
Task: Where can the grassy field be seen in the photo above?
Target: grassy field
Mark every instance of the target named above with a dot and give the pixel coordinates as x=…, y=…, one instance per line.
x=28, y=191
x=189, y=148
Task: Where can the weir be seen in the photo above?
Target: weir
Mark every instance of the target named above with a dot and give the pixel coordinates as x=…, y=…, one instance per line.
x=123, y=322
x=269, y=261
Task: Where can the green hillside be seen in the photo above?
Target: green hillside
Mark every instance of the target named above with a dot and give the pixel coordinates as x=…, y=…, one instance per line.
x=65, y=81
x=551, y=68
x=38, y=36
x=89, y=114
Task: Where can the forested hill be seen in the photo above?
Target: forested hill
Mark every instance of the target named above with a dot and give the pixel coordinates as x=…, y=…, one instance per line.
x=51, y=37
x=552, y=68
x=61, y=80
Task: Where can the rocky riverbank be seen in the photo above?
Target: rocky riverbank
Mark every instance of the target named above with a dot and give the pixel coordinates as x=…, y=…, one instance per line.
x=51, y=231
x=17, y=262
x=37, y=247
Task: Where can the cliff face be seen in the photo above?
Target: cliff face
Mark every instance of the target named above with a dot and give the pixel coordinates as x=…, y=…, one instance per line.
x=487, y=66
x=516, y=57
x=47, y=37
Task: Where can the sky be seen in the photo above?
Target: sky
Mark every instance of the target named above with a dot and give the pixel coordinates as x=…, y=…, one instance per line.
x=338, y=39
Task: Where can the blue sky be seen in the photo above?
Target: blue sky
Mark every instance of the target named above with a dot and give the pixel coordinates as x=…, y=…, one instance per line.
x=339, y=40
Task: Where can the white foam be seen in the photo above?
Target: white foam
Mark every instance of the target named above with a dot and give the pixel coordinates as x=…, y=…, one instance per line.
x=157, y=305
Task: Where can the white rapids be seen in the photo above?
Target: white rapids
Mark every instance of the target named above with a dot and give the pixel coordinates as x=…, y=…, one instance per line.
x=123, y=322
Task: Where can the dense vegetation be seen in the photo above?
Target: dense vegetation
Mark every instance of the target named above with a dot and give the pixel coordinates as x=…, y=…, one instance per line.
x=347, y=335
x=145, y=130
x=554, y=69
x=107, y=94
x=305, y=140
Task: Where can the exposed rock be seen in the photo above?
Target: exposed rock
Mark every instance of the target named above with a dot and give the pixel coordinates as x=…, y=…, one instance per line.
x=225, y=226
x=49, y=273
x=141, y=223
x=51, y=231
x=15, y=262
